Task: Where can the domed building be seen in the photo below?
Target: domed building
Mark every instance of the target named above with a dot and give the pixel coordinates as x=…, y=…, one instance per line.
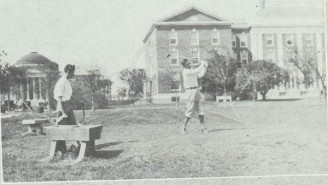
x=42, y=75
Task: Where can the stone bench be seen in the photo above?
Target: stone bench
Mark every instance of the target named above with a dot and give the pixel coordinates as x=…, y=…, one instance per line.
x=86, y=134
x=223, y=98
x=35, y=125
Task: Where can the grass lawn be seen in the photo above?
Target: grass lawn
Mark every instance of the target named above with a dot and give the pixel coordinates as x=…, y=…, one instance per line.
x=244, y=139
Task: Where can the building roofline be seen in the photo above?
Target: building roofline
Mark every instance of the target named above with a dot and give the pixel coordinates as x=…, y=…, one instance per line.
x=188, y=9
x=220, y=20
x=191, y=23
x=182, y=24
x=148, y=34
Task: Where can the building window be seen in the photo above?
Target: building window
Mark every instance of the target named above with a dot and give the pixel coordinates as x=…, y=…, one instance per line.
x=308, y=39
x=195, y=56
x=174, y=57
x=269, y=40
x=175, y=85
x=233, y=41
x=194, y=37
x=215, y=36
x=173, y=37
x=244, y=57
x=289, y=39
x=243, y=41
x=175, y=82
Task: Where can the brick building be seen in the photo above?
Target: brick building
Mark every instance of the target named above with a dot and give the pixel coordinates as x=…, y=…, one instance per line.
x=274, y=36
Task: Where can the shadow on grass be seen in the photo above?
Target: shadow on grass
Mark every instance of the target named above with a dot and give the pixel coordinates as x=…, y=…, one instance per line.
x=273, y=100
x=222, y=129
x=104, y=145
x=107, y=154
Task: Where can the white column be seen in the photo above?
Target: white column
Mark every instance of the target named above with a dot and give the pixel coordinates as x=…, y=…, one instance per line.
x=290, y=83
x=145, y=88
x=260, y=47
x=280, y=50
x=27, y=89
x=319, y=55
x=254, y=47
x=21, y=89
x=295, y=81
x=40, y=88
x=34, y=89
x=48, y=96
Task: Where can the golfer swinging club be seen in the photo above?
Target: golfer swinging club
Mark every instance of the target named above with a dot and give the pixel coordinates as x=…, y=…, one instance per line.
x=195, y=101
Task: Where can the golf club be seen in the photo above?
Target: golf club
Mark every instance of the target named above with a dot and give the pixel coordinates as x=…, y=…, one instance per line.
x=180, y=53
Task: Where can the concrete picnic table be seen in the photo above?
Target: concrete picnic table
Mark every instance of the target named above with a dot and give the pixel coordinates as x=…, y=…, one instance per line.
x=35, y=125
x=86, y=134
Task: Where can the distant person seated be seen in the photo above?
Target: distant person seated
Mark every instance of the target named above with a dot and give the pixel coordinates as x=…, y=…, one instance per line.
x=19, y=104
x=3, y=107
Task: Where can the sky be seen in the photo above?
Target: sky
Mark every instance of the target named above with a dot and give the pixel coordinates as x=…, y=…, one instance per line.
x=104, y=34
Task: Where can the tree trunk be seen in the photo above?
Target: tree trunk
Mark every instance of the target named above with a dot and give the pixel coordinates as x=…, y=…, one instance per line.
x=263, y=96
x=8, y=99
x=322, y=83
x=225, y=94
x=216, y=92
x=254, y=91
x=93, y=101
x=110, y=92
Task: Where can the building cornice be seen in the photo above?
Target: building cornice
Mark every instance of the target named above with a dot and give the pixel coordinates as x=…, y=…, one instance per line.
x=240, y=26
x=287, y=25
x=182, y=23
x=149, y=33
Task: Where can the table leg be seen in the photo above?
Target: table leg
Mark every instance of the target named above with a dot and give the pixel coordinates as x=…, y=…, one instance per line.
x=39, y=128
x=82, y=151
x=53, y=149
x=29, y=129
x=90, y=148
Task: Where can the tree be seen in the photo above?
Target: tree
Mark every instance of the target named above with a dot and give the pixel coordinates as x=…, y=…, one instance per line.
x=261, y=76
x=134, y=79
x=220, y=71
x=310, y=71
x=92, y=80
x=105, y=85
x=121, y=93
x=10, y=77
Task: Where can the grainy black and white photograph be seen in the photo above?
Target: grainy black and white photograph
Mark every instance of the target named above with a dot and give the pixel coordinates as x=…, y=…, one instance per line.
x=164, y=92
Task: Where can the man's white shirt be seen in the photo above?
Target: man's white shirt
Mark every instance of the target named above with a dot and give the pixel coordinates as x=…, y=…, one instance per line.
x=63, y=88
x=190, y=75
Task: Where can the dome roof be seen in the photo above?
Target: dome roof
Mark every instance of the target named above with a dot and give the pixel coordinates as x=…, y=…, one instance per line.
x=33, y=58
